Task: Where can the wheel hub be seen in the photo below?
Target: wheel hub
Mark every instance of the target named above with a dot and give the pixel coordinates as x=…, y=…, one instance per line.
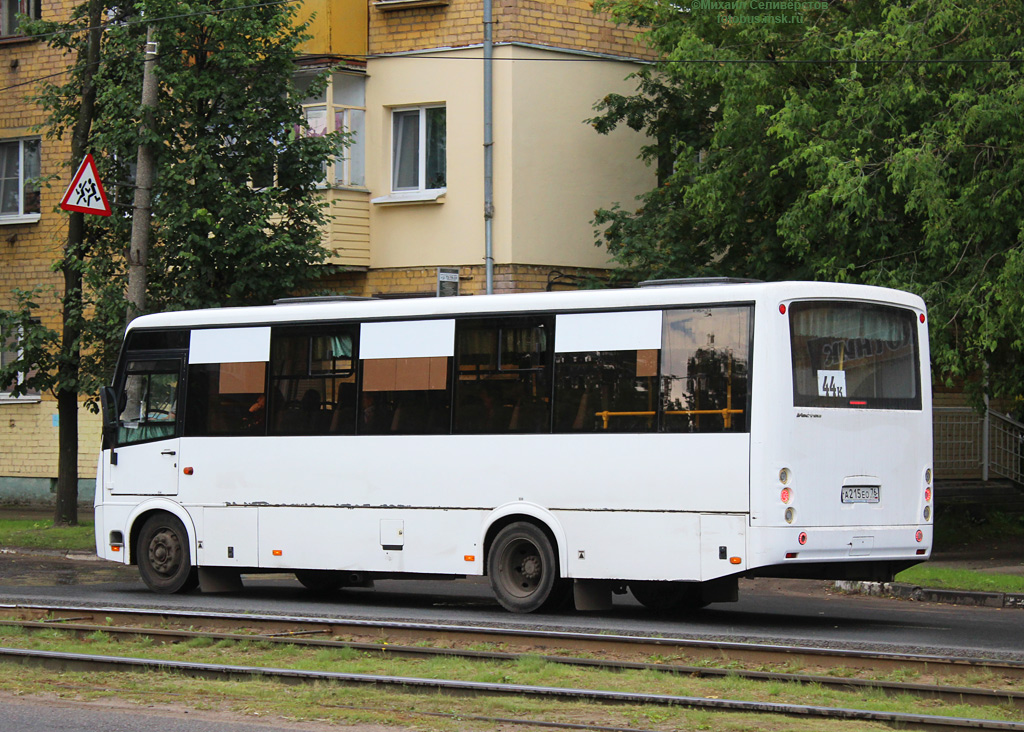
x=165, y=553
x=530, y=568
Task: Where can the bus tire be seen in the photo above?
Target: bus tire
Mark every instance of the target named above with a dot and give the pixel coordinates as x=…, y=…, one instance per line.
x=667, y=597
x=320, y=580
x=165, y=562
x=523, y=568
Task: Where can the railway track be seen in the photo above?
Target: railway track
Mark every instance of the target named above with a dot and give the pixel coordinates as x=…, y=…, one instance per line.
x=675, y=656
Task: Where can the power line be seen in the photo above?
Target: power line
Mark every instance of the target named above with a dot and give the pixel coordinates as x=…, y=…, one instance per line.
x=605, y=59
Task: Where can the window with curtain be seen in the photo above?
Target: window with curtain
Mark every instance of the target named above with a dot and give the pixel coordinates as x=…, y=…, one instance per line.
x=418, y=148
x=19, y=172
x=10, y=353
x=11, y=9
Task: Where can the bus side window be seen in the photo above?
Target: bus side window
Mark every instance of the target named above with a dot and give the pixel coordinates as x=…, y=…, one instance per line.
x=503, y=375
x=312, y=380
x=226, y=399
x=405, y=396
x=705, y=363
x=606, y=391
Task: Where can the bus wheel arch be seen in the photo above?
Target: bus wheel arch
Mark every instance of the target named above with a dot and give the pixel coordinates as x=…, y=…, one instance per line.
x=522, y=563
x=162, y=548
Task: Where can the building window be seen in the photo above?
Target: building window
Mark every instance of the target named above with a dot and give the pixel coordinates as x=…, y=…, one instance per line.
x=10, y=353
x=11, y=9
x=341, y=108
x=418, y=143
x=19, y=187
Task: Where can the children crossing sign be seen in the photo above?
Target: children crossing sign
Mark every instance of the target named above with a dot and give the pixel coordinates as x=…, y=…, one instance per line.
x=86, y=194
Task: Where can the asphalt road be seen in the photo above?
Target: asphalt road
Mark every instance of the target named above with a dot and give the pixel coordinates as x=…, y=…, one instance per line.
x=800, y=612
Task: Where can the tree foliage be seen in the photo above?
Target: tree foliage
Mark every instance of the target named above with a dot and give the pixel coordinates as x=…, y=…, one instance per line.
x=867, y=142
x=236, y=216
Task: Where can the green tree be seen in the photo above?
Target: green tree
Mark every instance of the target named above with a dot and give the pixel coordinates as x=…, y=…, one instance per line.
x=236, y=217
x=867, y=142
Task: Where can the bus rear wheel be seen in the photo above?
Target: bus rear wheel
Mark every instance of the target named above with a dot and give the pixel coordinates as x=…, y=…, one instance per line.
x=165, y=562
x=665, y=597
x=523, y=569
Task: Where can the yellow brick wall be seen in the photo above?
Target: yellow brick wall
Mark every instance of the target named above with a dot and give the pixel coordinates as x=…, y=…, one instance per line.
x=569, y=24
x=472, y=280
x=28, y=440
x=564, y=24
x=28, y=435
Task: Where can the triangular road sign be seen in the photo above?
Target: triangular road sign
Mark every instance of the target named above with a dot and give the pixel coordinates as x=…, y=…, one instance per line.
x=86, y=194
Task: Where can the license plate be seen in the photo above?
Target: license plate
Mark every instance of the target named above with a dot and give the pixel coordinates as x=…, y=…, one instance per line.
x=860, y=494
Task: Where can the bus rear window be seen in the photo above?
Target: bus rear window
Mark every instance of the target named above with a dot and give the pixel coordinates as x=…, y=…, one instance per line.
x=854, y=356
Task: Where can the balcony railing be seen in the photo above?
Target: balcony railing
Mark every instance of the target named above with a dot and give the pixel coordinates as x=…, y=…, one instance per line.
x=972, y=446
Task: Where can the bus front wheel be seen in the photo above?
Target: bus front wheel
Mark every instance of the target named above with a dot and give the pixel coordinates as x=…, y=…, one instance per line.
x=165, y=562
x=523, y=569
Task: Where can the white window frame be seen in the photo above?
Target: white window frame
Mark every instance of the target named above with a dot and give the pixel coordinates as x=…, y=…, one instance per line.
x=5, y=396
x=20, y=216
x=8, y=20
x=420, y=192
x=348, y=170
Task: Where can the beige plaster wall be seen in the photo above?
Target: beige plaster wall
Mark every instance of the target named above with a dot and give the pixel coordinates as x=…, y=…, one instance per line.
x=561, y=168
x=427, y=234
x=551, y=170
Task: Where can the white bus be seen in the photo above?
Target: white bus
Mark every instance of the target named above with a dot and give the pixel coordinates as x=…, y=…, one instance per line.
x=667, y=439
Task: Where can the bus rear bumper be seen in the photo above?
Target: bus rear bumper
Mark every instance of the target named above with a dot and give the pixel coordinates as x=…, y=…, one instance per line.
x=871, y=553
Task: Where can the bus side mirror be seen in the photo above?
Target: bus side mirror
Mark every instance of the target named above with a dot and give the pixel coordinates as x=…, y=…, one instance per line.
x=109, y=411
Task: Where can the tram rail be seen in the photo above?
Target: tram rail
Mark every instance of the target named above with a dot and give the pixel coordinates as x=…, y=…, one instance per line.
x=394, y=639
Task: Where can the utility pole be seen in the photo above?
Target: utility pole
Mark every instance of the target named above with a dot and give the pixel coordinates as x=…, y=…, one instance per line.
x=138, y=252
x=489, y=145
x=66, y=505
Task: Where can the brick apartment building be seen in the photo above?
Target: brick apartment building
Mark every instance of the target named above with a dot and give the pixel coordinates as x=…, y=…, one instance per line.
x=408, y=198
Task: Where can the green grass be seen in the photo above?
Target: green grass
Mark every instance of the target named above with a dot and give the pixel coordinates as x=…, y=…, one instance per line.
x=940, y=578
x=341, y=704
x=41, y=534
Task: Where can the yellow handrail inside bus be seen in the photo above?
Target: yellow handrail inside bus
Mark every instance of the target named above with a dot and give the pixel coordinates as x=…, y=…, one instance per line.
x=726, y=414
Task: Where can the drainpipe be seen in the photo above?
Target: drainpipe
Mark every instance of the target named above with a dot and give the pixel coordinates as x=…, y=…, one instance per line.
x=488, y=146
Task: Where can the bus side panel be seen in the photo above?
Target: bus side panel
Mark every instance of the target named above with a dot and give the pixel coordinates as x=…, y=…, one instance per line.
x=655, y=472
x=322, y=500
x=370, y=539
x=654, y=546
x=229, y=536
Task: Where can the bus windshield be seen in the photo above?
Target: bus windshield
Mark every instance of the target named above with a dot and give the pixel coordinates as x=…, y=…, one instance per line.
x=854, y=356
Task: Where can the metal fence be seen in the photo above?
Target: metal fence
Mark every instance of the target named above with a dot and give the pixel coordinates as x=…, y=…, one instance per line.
x=972, y=446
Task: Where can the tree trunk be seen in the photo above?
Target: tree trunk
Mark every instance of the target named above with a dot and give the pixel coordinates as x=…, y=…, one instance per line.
x=66, y=506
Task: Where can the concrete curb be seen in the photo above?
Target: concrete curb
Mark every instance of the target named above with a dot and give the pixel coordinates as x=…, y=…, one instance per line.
x=904, y=591
x=76, y=554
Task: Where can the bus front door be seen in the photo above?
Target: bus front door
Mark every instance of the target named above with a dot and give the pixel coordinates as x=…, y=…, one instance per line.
x=144, y=460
